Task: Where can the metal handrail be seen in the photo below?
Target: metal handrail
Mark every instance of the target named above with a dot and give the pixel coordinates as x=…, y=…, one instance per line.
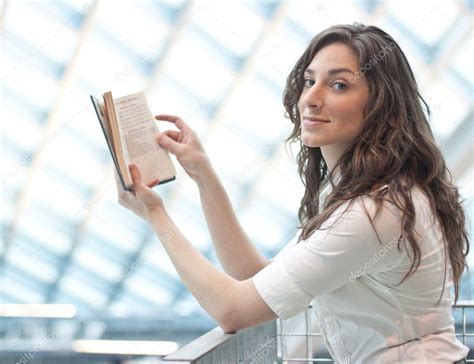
x=264, y=343
x=256, y=344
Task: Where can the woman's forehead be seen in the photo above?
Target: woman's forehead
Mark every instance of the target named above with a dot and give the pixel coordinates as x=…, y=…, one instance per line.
x=333, y=56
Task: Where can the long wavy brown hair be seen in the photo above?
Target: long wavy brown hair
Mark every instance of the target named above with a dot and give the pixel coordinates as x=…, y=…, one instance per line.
x=396, y=147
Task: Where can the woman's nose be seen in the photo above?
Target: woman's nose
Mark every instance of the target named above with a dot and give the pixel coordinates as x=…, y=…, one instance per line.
x=313, y=97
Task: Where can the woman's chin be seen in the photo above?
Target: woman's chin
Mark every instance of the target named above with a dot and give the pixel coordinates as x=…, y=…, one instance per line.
x=311, y=142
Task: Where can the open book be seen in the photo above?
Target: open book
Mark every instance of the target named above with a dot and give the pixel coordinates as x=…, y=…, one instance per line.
x=129, y=128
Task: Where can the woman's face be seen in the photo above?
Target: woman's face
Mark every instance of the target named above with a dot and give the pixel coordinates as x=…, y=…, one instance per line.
x=332, y=92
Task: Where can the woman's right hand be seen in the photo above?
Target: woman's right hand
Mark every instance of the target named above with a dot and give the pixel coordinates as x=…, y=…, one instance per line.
x=185, y=145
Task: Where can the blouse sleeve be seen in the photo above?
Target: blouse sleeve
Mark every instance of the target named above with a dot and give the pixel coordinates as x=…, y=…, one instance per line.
x=344, y=248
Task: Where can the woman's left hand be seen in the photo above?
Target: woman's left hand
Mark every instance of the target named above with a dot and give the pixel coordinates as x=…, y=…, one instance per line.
x=143, y=201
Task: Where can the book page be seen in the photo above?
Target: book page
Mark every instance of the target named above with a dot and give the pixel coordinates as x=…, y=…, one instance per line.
x=105, y=121
x=106, y=128
x=117, y=142
x=137, y=132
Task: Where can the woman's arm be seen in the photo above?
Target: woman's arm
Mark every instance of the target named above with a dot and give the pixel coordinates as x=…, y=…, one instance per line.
x=233, y=304
x=235, y=251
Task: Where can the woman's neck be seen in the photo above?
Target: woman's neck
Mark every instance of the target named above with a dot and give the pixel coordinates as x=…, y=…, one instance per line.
x=331, y=154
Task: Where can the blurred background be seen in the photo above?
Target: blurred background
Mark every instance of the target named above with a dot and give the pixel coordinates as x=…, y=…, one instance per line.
x=221, y=66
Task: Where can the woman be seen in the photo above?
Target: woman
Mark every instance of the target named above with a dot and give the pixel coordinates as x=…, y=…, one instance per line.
x=383, y=232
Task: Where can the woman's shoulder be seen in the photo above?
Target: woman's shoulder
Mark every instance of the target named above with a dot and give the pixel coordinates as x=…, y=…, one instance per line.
x=416, y=192
x=382, y=195
x=383, y=206
x=382, y=201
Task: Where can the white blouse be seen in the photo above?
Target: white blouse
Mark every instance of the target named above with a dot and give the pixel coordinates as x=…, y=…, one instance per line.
x=352, y=281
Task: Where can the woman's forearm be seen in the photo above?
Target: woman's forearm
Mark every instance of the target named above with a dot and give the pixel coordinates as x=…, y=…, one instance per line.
x=235, y=251
x=233, y=248
x=204, y=281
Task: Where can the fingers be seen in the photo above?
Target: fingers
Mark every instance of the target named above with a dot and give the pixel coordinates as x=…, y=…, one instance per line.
x=169, y=144
x=173, y=134
x=153, y=183
x=180, y=124
x=136, y=177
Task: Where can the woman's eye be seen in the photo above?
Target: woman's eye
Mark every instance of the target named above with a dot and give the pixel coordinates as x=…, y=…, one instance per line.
x=306, y=82
x=342, y=84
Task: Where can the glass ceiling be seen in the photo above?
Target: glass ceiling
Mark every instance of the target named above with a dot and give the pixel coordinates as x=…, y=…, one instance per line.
x=222, y=67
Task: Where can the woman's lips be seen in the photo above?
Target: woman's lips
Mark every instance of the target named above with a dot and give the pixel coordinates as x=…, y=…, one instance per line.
x=314, y=121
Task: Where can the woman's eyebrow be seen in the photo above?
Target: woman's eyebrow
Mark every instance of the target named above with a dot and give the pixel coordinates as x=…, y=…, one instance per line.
x=331, y=72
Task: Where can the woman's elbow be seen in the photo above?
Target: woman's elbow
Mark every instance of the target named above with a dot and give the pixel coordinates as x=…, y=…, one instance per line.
x=227, y=329
x=229, y=323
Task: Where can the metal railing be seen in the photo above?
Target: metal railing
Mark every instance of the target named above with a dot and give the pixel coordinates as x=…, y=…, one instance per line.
x=286, y=341
x=253, y=345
